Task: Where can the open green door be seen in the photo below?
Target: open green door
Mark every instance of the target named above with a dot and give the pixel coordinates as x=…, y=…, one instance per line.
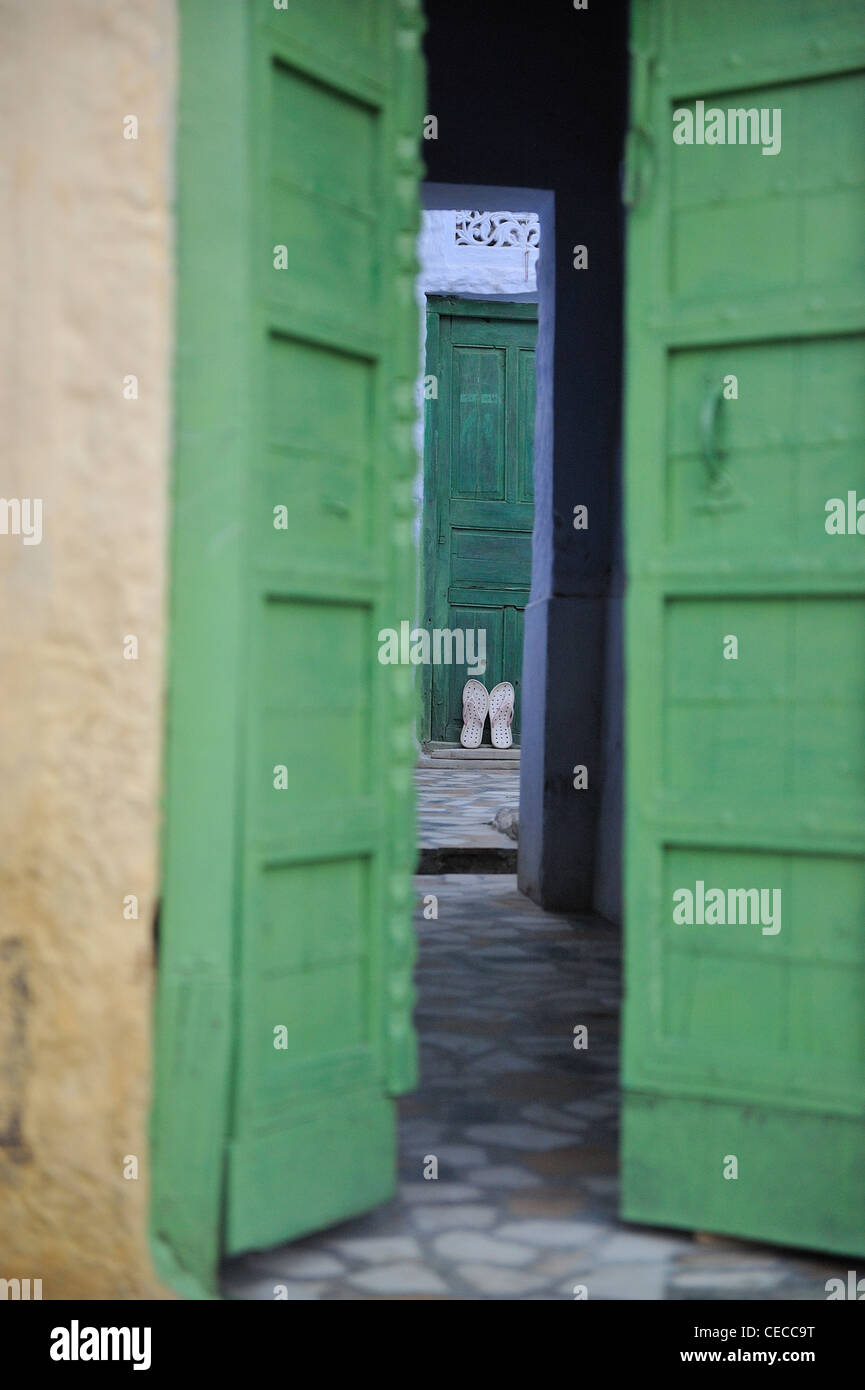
x=745, y=389
x=285, y=996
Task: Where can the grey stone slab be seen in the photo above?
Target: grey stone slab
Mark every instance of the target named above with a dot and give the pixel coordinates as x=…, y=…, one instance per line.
x=726, y=1283
x=420, y=1132
x=296, y=1291
x=502, y=1062
x=504, y=1177
x=503, y=953
x=634, y=1245
x=554, y=1117
x=406, y=1277
x=726, y=1255
x=627, y=1281
x=802, y=1293
x=498, y=1281
x=550, y=1234
x=380, y=1249
x=438, y=1191
x=480, y=1248
x=460, y=1155
x=476, y=1013
x=531, y=1138
x=458, y=1043
x=603, y=1186
x=590, y=1109
x=575, y=1264
x=547, y=1046
x=460, y=1215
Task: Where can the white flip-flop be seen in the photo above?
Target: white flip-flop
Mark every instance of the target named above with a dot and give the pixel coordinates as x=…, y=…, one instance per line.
x=476, y=704
x=501, y=714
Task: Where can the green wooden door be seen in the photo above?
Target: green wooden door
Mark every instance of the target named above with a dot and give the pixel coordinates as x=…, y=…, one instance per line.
x=284, y=1023
x=745, y=386
x=478, y=510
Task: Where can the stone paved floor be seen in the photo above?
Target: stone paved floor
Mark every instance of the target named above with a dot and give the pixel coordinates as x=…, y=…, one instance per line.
x=524, y=1130
x=455, y=807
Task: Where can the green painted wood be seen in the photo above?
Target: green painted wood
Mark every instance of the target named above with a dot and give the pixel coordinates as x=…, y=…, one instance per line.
x=478, y=509
x=307, y=907
x=746, y=773
x=193, y=1026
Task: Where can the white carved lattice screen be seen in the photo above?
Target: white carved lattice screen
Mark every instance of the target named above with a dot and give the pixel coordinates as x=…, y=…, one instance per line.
x=508, y=230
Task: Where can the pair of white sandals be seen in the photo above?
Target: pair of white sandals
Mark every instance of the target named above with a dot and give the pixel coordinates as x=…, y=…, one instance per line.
x=477, y=704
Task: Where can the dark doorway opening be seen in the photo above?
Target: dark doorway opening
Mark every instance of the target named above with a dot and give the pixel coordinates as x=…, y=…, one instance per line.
x=543, y=106
x=487, y=293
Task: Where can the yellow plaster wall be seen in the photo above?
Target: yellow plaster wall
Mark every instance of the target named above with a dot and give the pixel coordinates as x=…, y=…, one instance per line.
x=86, y=297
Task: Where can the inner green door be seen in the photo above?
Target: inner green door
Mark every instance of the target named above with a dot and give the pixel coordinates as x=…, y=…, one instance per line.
x=744, y=1040
x=478, y=493
x=285, y=983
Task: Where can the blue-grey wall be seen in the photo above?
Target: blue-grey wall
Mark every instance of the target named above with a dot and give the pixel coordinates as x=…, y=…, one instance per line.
x=536, y=97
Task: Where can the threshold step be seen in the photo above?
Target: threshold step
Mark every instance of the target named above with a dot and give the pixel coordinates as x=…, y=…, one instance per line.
x=437, y=751
x=479, y=859
x=442, y=764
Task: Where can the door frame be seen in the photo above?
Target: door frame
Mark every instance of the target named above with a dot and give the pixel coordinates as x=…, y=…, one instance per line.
x=439, y=306
x=202, y=769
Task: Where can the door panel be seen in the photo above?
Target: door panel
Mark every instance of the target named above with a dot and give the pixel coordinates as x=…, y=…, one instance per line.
x=524, y=490
x=479, y=492
x=301, y=522
x=748, y=773
x=482, y=558
x=478, y=425
x=783, y=463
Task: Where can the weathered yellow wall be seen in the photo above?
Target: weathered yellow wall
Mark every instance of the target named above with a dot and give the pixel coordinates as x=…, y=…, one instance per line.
x=85, y=298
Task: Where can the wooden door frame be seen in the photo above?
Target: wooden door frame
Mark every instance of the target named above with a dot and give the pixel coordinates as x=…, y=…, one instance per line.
x=439, y=306
x=202, y=762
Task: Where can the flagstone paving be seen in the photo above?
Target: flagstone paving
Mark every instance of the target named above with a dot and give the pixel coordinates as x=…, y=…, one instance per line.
x=455, y=807
x=524, y=1130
